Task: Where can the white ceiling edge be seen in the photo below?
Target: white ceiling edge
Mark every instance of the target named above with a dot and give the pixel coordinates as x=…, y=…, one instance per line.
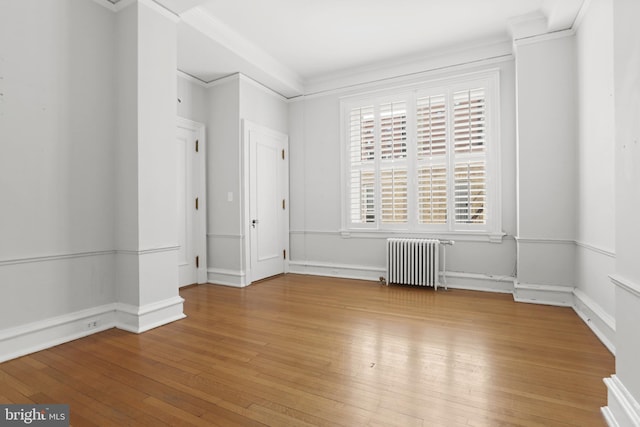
x=287, y=81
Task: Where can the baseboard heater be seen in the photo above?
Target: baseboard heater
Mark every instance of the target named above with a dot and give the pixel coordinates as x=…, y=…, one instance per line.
x=415, y=262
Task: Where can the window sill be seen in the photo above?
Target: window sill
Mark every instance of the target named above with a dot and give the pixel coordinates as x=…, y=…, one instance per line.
x=459, y=236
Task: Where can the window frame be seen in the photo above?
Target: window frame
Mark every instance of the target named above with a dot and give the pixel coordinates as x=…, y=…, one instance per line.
x=492, y=228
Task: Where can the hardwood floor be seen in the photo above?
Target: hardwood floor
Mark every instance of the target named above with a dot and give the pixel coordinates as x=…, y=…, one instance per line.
x=301, y=350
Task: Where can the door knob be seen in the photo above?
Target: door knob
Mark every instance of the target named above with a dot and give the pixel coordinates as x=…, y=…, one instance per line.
x=254, y=222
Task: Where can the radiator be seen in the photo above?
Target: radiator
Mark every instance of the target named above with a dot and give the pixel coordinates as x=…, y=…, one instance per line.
x=413, y=262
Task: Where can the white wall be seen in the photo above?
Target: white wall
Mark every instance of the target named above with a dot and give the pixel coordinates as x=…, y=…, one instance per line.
x=224, y=233
x=157, y=167
x=547, y=166
x=192, y=96
x=595, y=256
x=229, y=102
x=126, y=164
x=262, y=106
x=57, y=111
x=317, y=245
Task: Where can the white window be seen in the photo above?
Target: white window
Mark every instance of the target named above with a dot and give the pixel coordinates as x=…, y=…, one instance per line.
x=424, y=159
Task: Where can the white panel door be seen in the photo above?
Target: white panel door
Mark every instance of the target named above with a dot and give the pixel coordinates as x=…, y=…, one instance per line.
x=187, y=270
x=268, y=198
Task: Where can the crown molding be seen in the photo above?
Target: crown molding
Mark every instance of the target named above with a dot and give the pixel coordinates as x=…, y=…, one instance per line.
x=582, y=13
x=408, y=79
x=261, y=87
x=192, y=79
x=220, y=33
x=159, y=9
x=118, y=5
x=541, y=38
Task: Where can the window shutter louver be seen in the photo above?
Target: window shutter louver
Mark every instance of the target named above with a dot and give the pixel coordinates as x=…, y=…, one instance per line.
x=469, y=121
x=361, y=160
x=470, y=193
x=432, y=195
x=393, y=189
x=431, y=127
x=393, y=131
x=431, y=145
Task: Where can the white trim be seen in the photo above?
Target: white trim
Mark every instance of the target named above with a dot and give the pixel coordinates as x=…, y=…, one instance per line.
x=159, y=9
x=199, y=19
x=596, y=249
x=582, y=13
x=143, y=318
x=478, y=282
x=233, y=278
x=223, y=80
x=263, y=88
x=188, y=77
x=56, y=257
x=545, y=241
x=459, y=236
x=454, y=280
x=435, y=64
x=122, y=4
x=541, y=38
x=343, y=271
x=599, y=321
x=561, y=296
x=622, y=409
x=114, y=7
x=200, y=187
x=625, y=284
x=25, y=339
x=39, y=335
x=148, y=251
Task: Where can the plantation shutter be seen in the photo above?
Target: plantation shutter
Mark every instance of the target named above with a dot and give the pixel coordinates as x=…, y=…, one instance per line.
x=431, y=145
x=393, y=161
x=422, y=160
x=362, y=168
x=470, y=175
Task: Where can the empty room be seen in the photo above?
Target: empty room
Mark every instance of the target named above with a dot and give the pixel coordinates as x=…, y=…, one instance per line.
x=292, y=212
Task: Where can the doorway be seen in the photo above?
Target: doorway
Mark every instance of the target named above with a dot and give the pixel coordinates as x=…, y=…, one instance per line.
x=191, y=202
x=267, y=201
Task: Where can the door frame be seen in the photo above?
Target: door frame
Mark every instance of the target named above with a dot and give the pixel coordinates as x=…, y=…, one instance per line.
x=199, y=174
x=247, y=128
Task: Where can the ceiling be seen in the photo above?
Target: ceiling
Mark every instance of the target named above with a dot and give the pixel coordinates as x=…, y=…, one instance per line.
x=289, y=44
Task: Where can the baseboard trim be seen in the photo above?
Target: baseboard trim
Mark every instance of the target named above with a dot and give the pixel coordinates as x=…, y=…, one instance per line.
x=561, y=296
x=454, y=280
x=478, y=282
x=140, y=319
x=218, y=276
x=36, y=336
x=599, y=321
x=622, y=409
x=343, y=271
